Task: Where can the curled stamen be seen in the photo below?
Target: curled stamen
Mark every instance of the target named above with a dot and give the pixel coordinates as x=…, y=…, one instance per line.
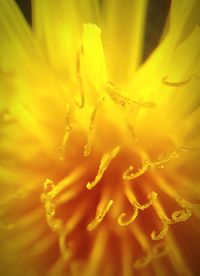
x=105, y=162
x=101, y=212
x=165, y=158
x=162, y=160
x=142, y=262
x=175, y=83
x=162, y=233
x=47, y=198
x=181, y=215
x=159, y=250
x=136, y=205
x=185, y=204
x=67, y=133
x=177, y=216
x=152, y=197
x=88, y=146
x=129, y=175
x=122, y=222
x=113, y=92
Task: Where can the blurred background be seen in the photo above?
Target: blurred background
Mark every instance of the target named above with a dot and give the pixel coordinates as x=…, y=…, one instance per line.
x=156, y=16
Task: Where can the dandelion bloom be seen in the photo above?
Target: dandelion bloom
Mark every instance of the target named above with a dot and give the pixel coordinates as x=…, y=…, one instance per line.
x=99, y=167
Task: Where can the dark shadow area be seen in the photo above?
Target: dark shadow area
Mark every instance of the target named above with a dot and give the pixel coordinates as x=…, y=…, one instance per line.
x=156, y=17
x=25, y=6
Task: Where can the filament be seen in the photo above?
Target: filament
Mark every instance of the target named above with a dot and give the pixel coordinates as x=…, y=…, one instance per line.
x=101, y=212
x=105, y=162
x=113, y=92
x=175, y=83
x=67, y=133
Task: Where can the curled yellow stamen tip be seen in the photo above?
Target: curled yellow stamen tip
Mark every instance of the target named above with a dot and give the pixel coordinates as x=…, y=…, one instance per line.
x=67, y=133
x=165, y=158
x=181, y=215
x=185, y=204
x=99, y=216
x=142, y=262
x=162, y=234
x=152, y=197
x=175, y=83
x=136, y=205
x=159, y=250
x=125, y=222
x=105, y=162
x=129, y=175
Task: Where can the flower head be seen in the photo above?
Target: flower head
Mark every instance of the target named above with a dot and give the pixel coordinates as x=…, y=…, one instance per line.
x=99, y=154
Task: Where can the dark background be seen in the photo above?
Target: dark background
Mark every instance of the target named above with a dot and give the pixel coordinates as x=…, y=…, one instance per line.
x=156, y=16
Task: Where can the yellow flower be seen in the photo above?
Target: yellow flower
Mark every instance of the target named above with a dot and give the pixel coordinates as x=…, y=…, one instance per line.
x=99, y=165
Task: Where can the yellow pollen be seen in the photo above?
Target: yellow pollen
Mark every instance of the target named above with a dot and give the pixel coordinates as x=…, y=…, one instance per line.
x=105, y=162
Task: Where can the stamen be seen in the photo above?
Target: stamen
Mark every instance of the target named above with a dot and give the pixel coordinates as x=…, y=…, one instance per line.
x=68, y=130
x=177, y=216
x=162, y=160
x=162, y=233
x=128, y=175
x=113, y=92
x=136, y=205
x=101, y=212
x=130, y=128
x=165, y=221
x=80, y=82
x=105, y=162
x=142, y=262
x=159, y=250
x=69, y=180
x=185, y=204
x=165, y=158
x=88, y=146
x=175, y=83
x=126, y=222
x=47, y=198
x=65, y=251
x=182, y=215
